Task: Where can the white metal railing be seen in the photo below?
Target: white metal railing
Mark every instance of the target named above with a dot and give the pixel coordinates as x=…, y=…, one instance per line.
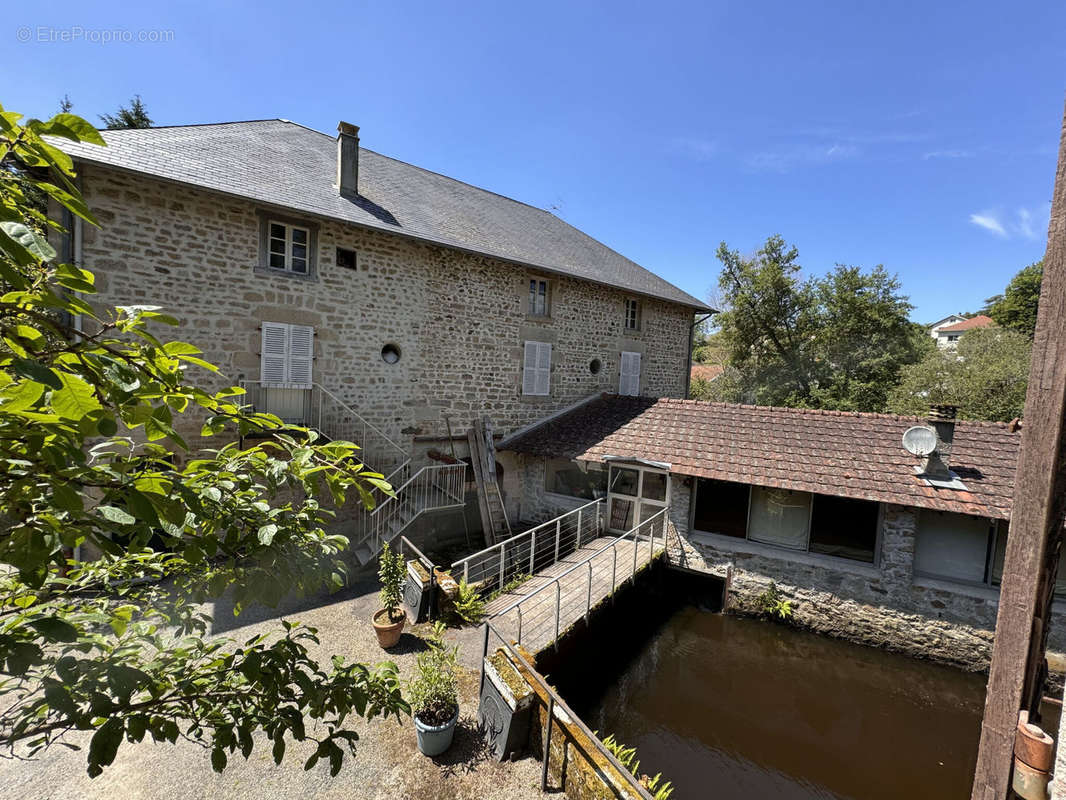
x=317, y=407
x=536, y=549
x=430, y=489
x=650, y=529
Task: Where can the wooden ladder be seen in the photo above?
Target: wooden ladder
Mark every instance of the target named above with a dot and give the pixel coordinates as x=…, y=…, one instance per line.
x=490, y=501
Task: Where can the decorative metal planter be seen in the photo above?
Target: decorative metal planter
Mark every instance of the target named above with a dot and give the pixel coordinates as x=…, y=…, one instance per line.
x=505, y=708
x=418, y=592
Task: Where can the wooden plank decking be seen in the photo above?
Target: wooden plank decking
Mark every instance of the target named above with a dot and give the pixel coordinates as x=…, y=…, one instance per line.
x=538, y=624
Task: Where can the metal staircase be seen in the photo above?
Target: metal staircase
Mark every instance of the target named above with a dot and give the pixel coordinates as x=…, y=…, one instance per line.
x=433, y=488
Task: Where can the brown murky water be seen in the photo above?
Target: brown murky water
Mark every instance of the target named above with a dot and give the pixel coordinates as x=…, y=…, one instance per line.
x=729, y=708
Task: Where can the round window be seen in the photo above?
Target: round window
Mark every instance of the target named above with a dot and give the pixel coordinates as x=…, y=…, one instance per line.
x=594, y=366
x=390, y=354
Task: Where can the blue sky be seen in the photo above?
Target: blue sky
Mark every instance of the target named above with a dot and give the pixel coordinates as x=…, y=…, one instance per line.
x=917, y=135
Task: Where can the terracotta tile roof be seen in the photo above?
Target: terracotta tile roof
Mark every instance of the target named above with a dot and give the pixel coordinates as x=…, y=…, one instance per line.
x=828, y=452
x=707, y=372
x=980, y=321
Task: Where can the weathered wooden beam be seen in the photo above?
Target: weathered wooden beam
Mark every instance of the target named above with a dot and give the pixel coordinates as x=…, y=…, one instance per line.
x=1036, y=522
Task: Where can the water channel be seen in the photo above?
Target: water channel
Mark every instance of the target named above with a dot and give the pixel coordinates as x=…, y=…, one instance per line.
x=729, y=707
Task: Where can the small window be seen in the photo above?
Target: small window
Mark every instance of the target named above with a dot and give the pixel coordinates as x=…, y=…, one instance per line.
x=345, y=258
x=841, y=526
x=536, y=368
x=288, y=247
x=632, y=314
x=539, y=300
x=579, y=479
x=595, y=366
x=390, y=354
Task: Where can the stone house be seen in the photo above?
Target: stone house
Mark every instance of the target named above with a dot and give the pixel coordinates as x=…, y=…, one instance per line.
x=825, y=504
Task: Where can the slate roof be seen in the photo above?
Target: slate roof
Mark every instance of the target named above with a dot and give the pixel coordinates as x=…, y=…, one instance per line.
x=827, y=452
x=288, y=165
x=980, y=321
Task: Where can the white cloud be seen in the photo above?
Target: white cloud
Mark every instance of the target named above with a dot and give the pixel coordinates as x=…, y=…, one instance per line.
x=1025, y=223
x=695, y=148
x=785, y=158
x=948, y=154
x=990, y=222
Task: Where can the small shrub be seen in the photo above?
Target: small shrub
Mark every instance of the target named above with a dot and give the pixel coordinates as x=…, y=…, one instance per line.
x=392, y=572
x=510, y=586
x=628, y=758
x=772, y=605
x=468, y=603
x=434, y=692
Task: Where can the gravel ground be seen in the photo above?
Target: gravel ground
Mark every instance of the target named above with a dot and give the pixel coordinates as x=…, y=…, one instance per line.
x=387, y=763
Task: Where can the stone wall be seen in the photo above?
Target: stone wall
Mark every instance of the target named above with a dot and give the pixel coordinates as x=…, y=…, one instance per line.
x=882, y=604
x=459, y=319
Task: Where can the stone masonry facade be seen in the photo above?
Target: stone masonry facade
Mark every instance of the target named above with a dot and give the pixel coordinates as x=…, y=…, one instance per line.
x=459, y=319
x=881, y=604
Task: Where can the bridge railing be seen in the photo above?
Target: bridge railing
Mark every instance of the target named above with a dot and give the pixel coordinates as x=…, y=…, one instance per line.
x=533, y=550
x=649, y=531
x=557, y=707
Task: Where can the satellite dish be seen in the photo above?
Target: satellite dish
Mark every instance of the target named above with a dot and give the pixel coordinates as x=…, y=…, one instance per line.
x=920, y=441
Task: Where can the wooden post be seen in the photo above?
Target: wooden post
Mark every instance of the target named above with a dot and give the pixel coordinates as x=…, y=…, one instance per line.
x=1035, y=532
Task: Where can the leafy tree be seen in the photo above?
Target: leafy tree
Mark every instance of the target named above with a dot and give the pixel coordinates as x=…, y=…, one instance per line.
x=831, y=342
x=136, y=116
x=985, y=377
x=90, y=458
x=1016, y=307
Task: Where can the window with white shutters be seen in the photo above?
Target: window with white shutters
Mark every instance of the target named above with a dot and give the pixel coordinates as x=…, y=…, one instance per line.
x=629, y=377
x=287, y=355
x=536, y=368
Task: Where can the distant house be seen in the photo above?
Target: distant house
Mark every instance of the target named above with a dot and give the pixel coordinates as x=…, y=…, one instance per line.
x=706, y=372
x=947, y=333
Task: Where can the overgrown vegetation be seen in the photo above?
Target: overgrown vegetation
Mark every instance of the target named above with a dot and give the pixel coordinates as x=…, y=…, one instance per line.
x=392, y=572
x=434, y=692
x=628, y=758
x=468, y=603
x=508, y=587
x=91, y=457
x=771, y=604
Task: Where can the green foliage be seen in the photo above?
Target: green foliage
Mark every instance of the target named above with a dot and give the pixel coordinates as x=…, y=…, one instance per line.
x=627, y=756
x=468, y=603
x=91, y=458
x=1016, y=308
x=508, y=587
x=392, y=572
x=771, y=604
x=986, y=377
x=434, y=692
x=833, y=342
x=136, y=116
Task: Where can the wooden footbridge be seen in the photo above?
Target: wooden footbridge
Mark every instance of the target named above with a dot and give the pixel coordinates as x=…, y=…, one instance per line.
x=553, y=575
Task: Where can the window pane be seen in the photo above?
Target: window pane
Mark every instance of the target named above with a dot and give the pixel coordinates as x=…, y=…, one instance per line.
x=621, y=514
x=654, y=486
x=1001, y=552
x=721, y=507
x=844, y=527
x=299, y=236
x=299, y=251
x=624, y=481
x=647, y=511
x=277, y=260
x=575, y=479
x=277, y=246
x=299, y=265
x=779, y=517
x=277, y=231
x=953, y=546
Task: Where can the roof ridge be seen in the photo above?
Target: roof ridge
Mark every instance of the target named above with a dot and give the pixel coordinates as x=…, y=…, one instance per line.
x=203, y=125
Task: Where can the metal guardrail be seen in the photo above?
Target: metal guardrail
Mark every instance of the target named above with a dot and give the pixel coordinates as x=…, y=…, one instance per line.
x=632, y=783
x=423, y=491
x=645, y=530
x=535, y=549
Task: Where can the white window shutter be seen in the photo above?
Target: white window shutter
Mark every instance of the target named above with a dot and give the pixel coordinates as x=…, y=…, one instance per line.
x=301, y=355
x=544, y=369
x=629, y=374
x=273, y=356
x=529, y=368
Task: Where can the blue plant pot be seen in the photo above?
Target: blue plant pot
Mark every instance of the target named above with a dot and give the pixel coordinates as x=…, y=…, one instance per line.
x=434, y=740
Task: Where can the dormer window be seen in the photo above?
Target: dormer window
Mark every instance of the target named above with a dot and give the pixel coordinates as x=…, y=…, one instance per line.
x=632, y=314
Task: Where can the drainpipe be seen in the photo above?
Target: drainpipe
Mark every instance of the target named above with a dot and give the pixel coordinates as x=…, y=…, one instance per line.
x=688, y=355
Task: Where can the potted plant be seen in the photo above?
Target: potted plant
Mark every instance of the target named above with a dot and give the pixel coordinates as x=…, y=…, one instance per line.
x=434, y=694
x=388, y=622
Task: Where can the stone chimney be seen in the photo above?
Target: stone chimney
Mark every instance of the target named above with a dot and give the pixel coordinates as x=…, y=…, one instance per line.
x=348, y=159
x=937, y=465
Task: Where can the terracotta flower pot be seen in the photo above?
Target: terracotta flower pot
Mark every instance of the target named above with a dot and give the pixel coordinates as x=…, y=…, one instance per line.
x=388, y=632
